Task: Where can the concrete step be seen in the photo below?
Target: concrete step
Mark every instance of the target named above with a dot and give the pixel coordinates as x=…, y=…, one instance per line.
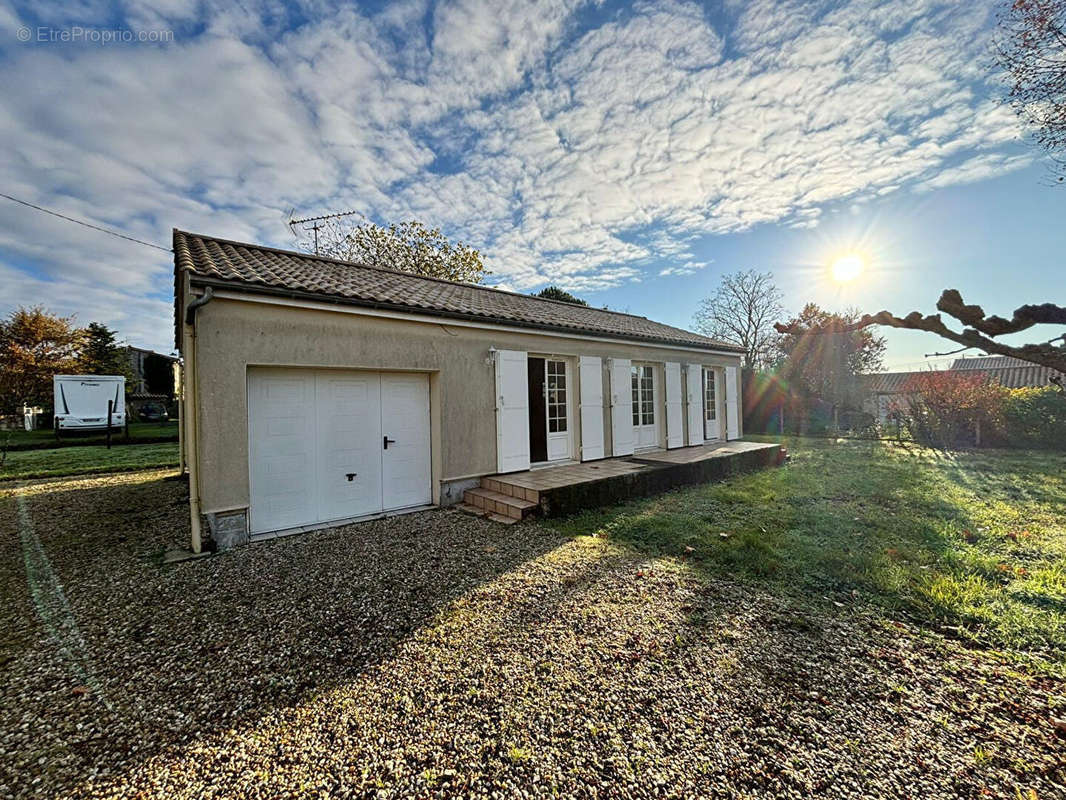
x=472, y=510
x=499, y=503
x=500, y=485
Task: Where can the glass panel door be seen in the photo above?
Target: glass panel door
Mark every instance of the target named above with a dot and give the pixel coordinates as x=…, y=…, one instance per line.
x=711, y=427
x=557, y=387
x=645, y=421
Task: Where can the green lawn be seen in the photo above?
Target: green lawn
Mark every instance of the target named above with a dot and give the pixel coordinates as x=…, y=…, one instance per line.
x=973, y=543
x=87, y=460
x=138, y=430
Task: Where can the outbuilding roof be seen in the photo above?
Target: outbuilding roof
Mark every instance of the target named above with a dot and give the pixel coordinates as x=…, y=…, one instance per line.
x=1011, y=373
x=249, y=267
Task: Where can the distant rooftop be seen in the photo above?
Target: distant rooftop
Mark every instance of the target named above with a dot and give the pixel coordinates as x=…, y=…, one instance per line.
x=1004, y=370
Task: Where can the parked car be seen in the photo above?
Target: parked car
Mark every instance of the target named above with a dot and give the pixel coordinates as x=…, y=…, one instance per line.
x=152, y=412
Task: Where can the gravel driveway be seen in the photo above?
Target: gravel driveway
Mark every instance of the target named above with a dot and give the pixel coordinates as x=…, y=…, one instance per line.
x=441, y=655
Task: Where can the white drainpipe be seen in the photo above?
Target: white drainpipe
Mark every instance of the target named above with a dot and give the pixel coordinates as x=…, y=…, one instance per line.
x=190, y=414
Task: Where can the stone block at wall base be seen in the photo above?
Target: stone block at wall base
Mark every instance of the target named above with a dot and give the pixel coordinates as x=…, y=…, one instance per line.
x=227, y=529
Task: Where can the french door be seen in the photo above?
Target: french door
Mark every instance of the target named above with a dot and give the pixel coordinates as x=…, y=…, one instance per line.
x=711, y=427
x=645, y=406
x=549, y=409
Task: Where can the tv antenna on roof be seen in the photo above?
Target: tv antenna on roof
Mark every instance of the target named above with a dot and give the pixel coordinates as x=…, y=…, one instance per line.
x=315, y=226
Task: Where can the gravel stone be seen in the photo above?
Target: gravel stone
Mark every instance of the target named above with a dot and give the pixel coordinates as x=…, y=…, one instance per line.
x=442, y=655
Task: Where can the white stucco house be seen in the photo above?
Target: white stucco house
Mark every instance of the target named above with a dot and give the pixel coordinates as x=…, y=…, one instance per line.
x=318, y=390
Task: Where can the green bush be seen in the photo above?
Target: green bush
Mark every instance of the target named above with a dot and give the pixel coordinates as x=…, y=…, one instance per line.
x=1035, y=417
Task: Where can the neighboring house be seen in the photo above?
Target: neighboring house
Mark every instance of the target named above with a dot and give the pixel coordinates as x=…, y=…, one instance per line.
x=885, y=390
x=138, y=384
x=318, y=390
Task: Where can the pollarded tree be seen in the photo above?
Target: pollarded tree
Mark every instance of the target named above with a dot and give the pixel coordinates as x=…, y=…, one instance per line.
x=407, y=246
x=981, y=333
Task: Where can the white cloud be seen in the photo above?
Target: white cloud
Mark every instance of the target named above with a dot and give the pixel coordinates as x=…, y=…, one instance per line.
x=687, y=268
x=585, y=157
x=976, y=169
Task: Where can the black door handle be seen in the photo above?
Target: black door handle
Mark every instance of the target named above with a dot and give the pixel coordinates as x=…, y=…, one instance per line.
x=351, y=475
x=387, y=441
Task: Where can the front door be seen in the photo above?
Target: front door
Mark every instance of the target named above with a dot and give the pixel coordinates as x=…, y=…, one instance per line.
x=711, y=429
x=645, y=406
x=549, y=409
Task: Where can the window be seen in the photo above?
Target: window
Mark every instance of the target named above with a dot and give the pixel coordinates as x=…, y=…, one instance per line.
x=643, y=395
x=710, y=408
x=556, y=388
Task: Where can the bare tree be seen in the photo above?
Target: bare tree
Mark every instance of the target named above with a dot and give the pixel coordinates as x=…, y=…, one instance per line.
x=982, y=331
x=407, y=246
x=1032, y=49
x=742, y=311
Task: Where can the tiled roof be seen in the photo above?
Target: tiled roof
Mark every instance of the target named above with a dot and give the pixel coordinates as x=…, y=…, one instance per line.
x=1012, y=377
x=220, y=262
x=988, y=362
x=887, y=382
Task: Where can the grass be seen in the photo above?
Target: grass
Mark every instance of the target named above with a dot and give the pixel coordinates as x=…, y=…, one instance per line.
x=974, y=541
x=87, y=460
x=46, y=438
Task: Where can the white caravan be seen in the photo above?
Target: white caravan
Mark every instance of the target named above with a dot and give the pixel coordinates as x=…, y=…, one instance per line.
x=81, y=401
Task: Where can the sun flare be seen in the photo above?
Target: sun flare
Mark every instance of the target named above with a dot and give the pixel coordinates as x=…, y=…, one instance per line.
x=848, y=268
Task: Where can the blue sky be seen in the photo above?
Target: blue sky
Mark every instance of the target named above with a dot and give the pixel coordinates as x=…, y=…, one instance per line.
x=632, y=153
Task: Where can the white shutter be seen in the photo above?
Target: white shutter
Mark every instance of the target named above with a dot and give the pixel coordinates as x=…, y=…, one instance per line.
x=512, y=411
x=732, y=415
x=694, y=381
x=675, y=435
x=621, y=407
x=591, y=388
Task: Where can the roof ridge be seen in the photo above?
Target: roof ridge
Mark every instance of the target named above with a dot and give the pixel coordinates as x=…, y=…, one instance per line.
x=264, y=268
x=392, y=271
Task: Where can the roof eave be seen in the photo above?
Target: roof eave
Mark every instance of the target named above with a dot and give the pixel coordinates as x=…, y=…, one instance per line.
x=198, y=279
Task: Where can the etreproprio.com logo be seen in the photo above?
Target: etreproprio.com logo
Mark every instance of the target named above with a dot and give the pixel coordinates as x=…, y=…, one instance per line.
x=77, y=34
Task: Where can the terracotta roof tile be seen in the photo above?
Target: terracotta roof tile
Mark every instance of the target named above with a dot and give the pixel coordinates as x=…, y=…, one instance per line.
x=1021, y=375
x=252, y=267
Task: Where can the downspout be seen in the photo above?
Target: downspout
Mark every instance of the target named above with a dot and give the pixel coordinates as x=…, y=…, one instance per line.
x=191, y=433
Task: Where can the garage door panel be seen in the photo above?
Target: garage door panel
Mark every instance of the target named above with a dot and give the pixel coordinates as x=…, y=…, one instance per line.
x=310, y=429
x=281, y=449
x=349, y=420
x=405, y=420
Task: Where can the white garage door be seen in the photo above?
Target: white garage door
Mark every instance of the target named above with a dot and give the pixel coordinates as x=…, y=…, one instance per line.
x=327, y=444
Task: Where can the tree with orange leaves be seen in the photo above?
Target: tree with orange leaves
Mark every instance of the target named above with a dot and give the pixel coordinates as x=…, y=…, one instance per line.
x=34, y=346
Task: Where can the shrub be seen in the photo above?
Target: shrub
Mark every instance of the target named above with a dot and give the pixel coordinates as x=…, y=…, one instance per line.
x=1035, y=417
x=946, y=410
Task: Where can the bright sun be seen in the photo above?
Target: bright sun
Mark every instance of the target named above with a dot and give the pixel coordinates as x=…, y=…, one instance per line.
x=847, y=268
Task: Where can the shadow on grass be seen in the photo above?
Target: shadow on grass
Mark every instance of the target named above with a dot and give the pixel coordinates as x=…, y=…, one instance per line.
x=196, y=658
x=908, y=530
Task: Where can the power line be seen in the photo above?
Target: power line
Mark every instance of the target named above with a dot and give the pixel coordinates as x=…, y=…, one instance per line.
x=86, y=224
